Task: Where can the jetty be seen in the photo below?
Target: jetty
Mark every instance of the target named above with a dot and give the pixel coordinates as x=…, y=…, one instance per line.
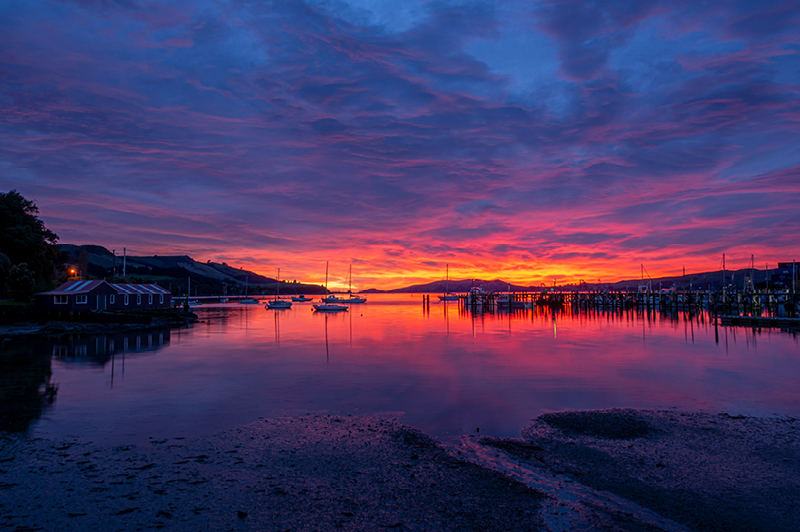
x=766, y=308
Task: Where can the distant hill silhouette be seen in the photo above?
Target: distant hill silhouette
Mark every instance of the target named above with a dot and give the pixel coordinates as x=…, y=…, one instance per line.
x=696, y=281
x=458, y=286
x=174, y=271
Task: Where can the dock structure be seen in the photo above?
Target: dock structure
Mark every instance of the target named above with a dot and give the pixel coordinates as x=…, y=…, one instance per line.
x=769, y=308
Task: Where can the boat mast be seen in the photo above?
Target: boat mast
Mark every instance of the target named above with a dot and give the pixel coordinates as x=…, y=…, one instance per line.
x=723, y=270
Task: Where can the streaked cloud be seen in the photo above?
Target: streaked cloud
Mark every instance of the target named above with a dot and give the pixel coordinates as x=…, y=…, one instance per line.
x=526, y=141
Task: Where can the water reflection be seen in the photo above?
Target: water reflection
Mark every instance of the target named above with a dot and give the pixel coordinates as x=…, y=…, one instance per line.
x=99, y=350
x=27, y=387
x=446, y=368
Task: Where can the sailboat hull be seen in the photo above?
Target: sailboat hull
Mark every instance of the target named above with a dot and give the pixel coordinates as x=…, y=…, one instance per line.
x=329, y=307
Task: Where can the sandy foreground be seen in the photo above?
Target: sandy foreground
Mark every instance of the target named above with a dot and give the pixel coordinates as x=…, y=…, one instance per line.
x=616, y=470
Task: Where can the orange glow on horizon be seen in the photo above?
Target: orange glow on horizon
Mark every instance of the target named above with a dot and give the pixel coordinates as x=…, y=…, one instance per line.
x=375, y=268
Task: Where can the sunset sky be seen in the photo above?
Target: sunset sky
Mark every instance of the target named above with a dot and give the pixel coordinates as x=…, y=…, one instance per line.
x=522, y=140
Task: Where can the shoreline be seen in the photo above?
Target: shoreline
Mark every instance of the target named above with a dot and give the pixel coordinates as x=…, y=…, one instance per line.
x=620, y=470
x=115, y=322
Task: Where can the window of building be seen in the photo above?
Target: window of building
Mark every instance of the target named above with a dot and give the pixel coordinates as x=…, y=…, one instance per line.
x=127, y=299
x=81, y=300
x=150, y=299
x=138, y=299
x=161, y=299
x=112, y=298
x=60, y=300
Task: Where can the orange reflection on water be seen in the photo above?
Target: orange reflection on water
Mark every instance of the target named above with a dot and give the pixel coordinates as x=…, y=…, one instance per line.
x=445, y=368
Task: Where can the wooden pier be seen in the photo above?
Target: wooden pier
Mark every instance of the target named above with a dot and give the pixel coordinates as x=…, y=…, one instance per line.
x=756, y=309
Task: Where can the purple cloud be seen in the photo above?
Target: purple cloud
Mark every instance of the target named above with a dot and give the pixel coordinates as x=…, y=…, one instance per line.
x=290, y=131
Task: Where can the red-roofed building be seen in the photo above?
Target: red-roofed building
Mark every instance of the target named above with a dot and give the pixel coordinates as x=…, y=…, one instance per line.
x=76, y=296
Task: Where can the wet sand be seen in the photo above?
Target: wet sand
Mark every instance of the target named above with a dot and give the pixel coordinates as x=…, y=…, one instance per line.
x=704, y=472
x=304, y=473
x=618, y=470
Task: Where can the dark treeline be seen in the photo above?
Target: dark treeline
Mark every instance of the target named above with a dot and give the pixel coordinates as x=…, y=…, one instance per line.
x=29, y=252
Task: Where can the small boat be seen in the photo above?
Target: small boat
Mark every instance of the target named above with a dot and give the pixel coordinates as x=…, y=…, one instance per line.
x=504, y=300
x=326, y=306
x=476, y=294
x=447, y=296
x=329, y=307
x=278, y=303
x=191, y=302
x=302, y=298
x=247, y=300
x=333, y=299
x=352, y=299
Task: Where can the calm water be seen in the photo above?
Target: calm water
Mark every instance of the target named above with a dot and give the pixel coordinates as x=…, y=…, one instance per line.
x=445, y=370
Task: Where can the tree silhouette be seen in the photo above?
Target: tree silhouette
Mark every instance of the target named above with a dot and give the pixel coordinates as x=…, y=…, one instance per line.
x=25, y=239
x=20, y=283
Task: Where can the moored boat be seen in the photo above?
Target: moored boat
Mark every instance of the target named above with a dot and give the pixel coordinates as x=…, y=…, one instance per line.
x=352, y=299
x=247, y=300
x=329, y=307
x=327, y=304
x=447, y=296
x=278, y=303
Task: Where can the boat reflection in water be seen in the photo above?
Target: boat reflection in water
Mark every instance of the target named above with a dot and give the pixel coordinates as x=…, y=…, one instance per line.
x=445, y=368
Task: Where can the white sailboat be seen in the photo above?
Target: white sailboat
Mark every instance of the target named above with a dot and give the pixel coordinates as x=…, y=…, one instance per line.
x=352, y=298
x=325, y=306
x=447, y=296
x=191, y=302
x=278, y=303
x=247, y=300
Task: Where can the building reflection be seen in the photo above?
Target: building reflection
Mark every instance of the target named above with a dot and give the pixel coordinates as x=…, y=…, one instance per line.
x=26, y=385
x=99, y=350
